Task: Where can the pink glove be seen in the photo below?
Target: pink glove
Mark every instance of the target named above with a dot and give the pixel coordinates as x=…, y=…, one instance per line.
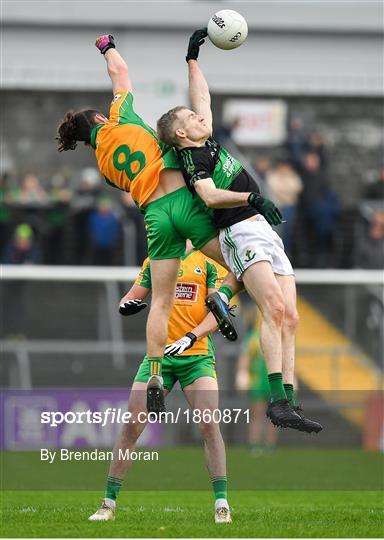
x=104, y=43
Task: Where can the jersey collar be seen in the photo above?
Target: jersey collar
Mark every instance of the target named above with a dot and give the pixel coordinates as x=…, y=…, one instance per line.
x=208, y=142
x=94, y=133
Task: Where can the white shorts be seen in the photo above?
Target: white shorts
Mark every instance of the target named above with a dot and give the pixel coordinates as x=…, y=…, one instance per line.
x=251, y=241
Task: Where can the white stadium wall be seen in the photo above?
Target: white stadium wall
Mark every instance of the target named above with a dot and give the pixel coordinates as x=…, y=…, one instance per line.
x=292, y=48
x=310, y=55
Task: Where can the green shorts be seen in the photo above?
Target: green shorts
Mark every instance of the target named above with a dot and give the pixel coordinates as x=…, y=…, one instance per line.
x=172, y=219
x=185, y=369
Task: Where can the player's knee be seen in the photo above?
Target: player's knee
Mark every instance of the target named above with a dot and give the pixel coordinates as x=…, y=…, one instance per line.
x=208, y=430
x=274, y=308
x=291, y=319
x=132, y=430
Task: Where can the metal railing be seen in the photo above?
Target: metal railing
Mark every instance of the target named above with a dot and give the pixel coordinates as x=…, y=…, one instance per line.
x=110, y=277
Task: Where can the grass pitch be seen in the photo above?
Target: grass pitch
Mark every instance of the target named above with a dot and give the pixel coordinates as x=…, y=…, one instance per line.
x=291, y=493
x=183, y=468
x=190, y=514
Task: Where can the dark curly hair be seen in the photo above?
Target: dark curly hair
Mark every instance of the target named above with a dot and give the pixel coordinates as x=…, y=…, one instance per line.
x=76, y=126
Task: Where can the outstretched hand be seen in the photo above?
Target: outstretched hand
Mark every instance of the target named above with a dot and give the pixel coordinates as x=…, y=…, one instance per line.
x=105, y=42
x=131, y=307
x=195, y=42
x=266, y=208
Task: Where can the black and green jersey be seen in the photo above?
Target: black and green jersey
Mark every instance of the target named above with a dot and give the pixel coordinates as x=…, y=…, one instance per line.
x=213, y=161
x=209, y=161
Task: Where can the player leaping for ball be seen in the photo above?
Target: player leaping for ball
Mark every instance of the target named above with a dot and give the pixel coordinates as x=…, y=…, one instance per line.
x=251, y=249
x=194, y=369
x=131, y=157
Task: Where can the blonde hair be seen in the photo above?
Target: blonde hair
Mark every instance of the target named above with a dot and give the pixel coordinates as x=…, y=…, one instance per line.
x=165, y=126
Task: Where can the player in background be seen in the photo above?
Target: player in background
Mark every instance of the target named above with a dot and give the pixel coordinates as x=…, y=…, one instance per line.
x=132, y=158
x=194, y=369
x=252, y=377
x=252, y=250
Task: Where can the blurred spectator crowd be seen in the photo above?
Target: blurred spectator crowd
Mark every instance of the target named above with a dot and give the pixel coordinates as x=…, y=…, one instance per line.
x=82, y=221
x=318, y=232
x=73, y=221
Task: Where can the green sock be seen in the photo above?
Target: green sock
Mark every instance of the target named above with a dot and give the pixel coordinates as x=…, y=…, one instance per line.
x=290, y=392
x=276, y=385
x=227, y=291
x=155, y=365
x=113, y=487
x=219, y=484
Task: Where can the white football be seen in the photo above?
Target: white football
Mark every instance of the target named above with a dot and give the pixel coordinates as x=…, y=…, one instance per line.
x=227, y=29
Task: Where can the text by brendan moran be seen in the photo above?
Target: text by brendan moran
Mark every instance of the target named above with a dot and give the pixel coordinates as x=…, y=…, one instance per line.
x=64, y=454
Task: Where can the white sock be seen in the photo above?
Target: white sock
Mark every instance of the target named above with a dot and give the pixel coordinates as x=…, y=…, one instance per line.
x=223, y=296
x=221, y=503
x=110, y=502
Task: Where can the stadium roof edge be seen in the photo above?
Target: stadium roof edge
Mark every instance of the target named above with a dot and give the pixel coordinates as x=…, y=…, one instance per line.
x=337, y=16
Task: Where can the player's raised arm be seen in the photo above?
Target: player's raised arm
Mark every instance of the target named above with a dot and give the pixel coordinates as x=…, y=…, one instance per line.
x=198, y=86
x=116, y=65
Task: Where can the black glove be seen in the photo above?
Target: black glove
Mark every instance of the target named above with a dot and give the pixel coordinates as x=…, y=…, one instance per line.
x=266, y=208
x=195, y=42
x=181, y=345
x=131, y=307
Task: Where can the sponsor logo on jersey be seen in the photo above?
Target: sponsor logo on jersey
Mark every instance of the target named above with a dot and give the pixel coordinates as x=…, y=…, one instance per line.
x=181, y=272
x=186, y=292
x=198, y=271
x=229, y=166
